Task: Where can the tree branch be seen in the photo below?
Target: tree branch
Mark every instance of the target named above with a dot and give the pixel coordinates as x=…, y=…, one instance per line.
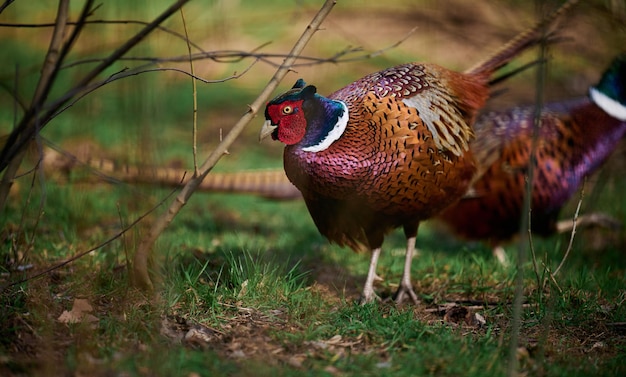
x=25, y=131
x=141, y=273
x=107, y=22
x=43, y=86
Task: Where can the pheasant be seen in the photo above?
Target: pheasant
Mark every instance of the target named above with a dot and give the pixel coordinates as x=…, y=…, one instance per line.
x=575, y=138
x=266, y=183
x=388, y=150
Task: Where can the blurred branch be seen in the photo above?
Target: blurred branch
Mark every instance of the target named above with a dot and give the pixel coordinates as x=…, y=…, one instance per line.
x=518, y=299
x=224, y=56
x=142, y=256
x=235, y=56
x=48, y=72
x=108, y=22
x=126, y=73
x=573, y=232
x=39, y=113
x=19, y=102
x=195, y=100
x=5, y=5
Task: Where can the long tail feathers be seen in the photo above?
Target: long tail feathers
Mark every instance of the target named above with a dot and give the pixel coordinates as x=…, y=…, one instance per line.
x=522, y=41
x=267, y=183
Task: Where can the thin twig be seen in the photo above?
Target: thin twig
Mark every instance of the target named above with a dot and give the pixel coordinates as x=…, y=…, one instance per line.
x=518, y=299
x=556, y=284
x=571, y=237
x=100, y=246
x=141, y=274
x=235, y=56
x=124, y=241
x=195, y=100
x=37, y=173
x=26, y=130
x=5, y=5
x=396, y=44
x=48, y=73
x=106, y=22
x=531, y=246
x=127, y=73
x=29, y=242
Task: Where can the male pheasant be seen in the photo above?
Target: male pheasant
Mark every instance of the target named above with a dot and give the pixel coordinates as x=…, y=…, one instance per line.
x=575, y=137
x=389, y=150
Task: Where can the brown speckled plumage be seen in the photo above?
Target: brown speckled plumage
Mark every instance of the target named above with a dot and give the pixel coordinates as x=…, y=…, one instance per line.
x=389, y=150
x=393, y=175
x=575, y=137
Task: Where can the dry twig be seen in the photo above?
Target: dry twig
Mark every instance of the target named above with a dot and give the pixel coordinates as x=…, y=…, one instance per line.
x=141, y=271
x=571, y=238
x=41, y=112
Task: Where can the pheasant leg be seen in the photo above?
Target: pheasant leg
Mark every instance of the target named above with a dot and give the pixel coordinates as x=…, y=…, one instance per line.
x=500, y=254
x=406, y=288
x=368, y=294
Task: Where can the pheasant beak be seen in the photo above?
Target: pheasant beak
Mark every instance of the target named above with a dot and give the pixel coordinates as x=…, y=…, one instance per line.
x=267, y=129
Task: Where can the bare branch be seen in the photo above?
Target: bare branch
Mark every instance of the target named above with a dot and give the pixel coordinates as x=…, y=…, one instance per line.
x=531, y=246
x=516, y=319
x=5, y=5
x=141, y=274
x=235, y=56
x=26, y=130
x=195, y=101
x=126, y=73
x=48, y=72
x=19, y=102
x=571, y=237
x=30, y=123
x=107, y=22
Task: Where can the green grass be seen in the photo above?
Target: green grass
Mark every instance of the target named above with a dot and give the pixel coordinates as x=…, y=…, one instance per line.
x=261, y=281
x=271, y=296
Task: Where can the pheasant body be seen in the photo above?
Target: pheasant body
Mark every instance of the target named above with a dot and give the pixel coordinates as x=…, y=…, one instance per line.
x=368, y=161
x=388, y=150
x=575, y=138
x=386, y=158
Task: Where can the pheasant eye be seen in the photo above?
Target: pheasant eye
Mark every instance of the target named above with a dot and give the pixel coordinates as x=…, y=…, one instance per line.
x=287, y=110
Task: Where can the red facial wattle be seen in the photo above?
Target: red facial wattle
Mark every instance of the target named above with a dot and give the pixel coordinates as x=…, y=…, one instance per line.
x=289, y=118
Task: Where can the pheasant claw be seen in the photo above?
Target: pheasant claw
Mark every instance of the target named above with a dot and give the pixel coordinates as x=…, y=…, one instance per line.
x=404, y=292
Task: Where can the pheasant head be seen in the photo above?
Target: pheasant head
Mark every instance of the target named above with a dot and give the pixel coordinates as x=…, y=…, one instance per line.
x=301, y=116
x=610, y=93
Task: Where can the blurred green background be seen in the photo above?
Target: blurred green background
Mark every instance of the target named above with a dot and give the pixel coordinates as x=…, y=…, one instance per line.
x=148, y=118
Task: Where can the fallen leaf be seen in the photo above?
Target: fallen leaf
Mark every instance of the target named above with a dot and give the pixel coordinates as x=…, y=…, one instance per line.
x=244, y=289
x=199, y=337
x=79, y=313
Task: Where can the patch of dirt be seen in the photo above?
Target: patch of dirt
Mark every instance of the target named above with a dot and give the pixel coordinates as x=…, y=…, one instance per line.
x=248, y=335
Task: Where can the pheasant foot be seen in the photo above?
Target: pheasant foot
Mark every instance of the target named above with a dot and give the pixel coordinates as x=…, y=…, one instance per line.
x=368, y=298
x=368, y=294
x=405, y=291
x=500, y=254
